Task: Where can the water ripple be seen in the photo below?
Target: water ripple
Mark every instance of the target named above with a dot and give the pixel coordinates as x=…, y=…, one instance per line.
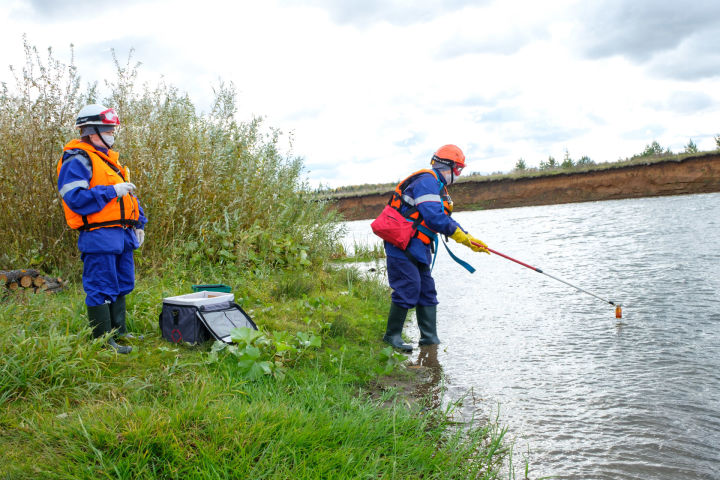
x=587, y=396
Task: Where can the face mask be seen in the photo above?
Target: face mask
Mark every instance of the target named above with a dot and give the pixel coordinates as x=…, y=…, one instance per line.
x=448, y=176
x=109, y=139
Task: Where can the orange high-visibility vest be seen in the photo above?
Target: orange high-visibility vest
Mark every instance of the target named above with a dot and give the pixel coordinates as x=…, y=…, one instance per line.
x=106, y=170
x=399, y=199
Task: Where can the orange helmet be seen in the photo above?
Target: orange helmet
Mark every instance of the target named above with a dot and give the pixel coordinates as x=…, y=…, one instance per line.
x=451, y=156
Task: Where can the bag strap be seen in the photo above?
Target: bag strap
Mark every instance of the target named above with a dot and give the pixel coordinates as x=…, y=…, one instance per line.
x=458, y=260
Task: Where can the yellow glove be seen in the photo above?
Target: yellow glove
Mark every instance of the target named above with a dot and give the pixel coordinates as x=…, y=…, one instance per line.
x=469, y=241
x=477, y=245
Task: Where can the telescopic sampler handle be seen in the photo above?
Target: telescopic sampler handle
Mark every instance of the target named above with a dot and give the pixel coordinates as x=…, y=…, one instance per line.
x=546, y=274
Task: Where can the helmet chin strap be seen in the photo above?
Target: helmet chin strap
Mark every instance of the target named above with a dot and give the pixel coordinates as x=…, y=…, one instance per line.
x=101, y=138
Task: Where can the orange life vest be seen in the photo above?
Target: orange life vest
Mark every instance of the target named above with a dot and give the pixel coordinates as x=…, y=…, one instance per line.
x=399, y=199
x=106, y=170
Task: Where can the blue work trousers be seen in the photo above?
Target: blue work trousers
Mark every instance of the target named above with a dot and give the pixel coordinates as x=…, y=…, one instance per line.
x=107, y=276
x=412, y=283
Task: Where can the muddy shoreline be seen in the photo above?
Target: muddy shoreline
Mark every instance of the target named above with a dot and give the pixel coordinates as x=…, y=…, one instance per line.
x=695, y=174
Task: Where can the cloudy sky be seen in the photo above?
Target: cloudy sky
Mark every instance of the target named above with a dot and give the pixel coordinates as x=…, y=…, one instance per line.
x=369, y=89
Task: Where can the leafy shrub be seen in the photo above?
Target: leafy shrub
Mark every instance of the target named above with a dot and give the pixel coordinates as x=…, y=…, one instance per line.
x=389, y=360
x=214, y=189
x=259, y=354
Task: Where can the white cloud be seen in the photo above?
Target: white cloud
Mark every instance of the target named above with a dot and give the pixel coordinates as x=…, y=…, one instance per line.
x=371, y=90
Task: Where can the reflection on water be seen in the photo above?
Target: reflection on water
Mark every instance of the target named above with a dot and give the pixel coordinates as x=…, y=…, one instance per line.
x=586, y=395
x=431, y=389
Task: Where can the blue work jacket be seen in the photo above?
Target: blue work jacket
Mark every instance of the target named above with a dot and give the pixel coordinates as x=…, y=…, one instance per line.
x=431, y=211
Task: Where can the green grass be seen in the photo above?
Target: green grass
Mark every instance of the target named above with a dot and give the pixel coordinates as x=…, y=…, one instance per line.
x=70, y=408
x=226, y=203
x=359, y=252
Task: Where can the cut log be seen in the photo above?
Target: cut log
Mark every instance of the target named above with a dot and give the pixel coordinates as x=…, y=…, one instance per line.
x=16, y=275
x=11, y=276
x=30, y=279
x=53, y=284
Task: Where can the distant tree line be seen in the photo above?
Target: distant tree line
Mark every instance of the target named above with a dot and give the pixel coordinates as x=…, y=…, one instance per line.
x=653, y=149
x=552, y=164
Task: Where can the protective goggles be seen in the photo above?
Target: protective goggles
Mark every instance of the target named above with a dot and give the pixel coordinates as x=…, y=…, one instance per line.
x=108, y=117
x=456, y=168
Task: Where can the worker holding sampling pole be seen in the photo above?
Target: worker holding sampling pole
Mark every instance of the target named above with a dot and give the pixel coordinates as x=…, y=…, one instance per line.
x=419, y=210
x=98, y=201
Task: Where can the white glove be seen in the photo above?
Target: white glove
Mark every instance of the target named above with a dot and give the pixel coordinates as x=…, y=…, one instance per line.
x=122, y=189
x=140, y=235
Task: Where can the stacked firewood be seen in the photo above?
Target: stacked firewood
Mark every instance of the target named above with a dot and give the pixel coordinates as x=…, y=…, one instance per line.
x=30, y=280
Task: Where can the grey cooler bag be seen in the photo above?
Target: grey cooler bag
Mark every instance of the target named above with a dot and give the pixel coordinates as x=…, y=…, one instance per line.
x=199, y=323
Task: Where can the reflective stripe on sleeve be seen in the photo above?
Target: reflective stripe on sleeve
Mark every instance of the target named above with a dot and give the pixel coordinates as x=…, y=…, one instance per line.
x=85, y=161
x=82, y=159
x=72, y=186
x=428, y=198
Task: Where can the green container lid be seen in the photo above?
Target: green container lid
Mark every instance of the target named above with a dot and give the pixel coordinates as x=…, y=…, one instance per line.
x=213, y=287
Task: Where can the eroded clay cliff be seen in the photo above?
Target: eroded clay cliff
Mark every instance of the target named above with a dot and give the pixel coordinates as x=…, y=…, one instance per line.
x=700, y=174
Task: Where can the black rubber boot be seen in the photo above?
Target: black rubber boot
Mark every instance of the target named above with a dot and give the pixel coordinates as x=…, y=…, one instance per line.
x=393, y=333
x=99, y=317
x=117, y=316
x=100, y=322
x=427, y=323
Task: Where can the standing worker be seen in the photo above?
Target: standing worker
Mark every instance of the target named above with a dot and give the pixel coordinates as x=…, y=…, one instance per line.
x=423, y=199
x=98, y=200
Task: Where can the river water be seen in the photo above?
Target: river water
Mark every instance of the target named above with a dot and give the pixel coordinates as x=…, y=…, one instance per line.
x=583, y=395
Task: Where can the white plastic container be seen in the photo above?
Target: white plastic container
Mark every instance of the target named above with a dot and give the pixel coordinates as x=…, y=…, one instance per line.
x=200, y=298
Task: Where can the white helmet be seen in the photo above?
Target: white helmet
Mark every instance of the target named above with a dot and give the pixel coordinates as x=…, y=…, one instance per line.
x=96, y=114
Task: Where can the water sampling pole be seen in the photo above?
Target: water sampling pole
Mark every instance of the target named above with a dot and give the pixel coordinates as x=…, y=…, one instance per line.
x=618, y=307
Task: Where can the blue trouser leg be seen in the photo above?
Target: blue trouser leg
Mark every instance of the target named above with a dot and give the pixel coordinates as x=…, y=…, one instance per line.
x=107, y=275
x=126, y=271
x=414, y=286
x=428, y=294
x=411, y=285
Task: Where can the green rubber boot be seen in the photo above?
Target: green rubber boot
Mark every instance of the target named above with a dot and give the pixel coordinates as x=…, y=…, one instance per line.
x=117, y=316
x=100, y=322
x=393, y=333
x=427, y=323
x=99, y=317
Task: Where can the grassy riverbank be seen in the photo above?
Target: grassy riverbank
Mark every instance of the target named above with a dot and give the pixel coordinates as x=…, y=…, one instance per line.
x=72, y=409
x=308, y=399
